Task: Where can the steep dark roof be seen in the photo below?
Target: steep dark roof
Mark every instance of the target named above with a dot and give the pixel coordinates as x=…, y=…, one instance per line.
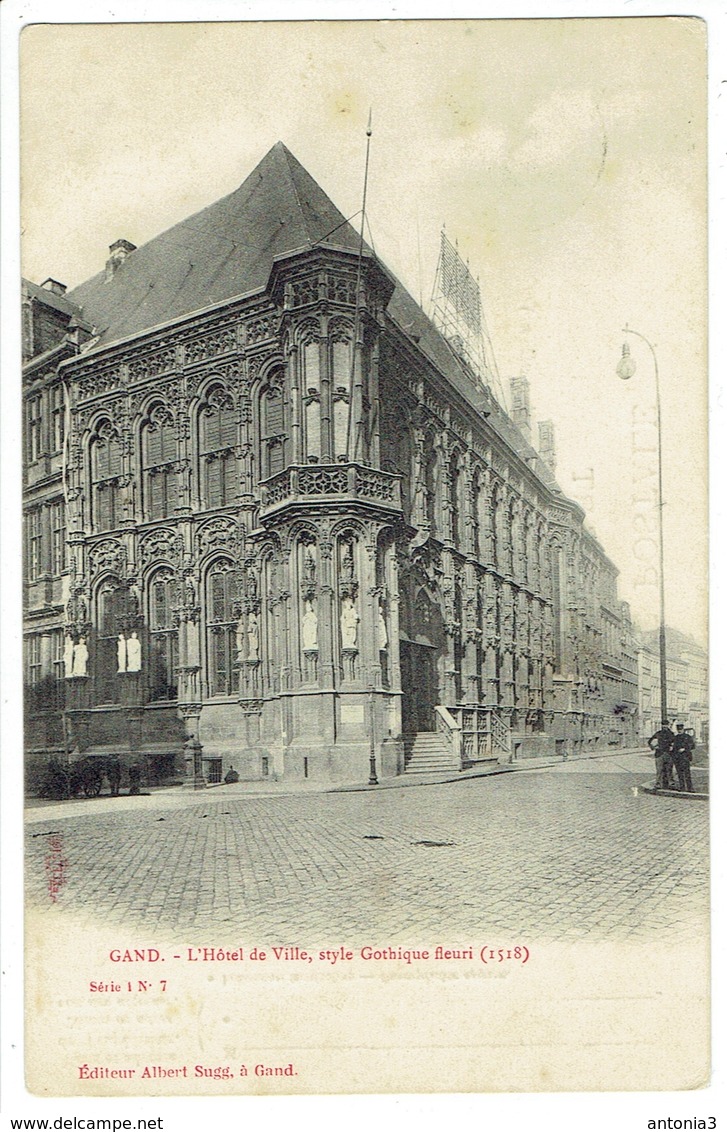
x=223, y=251
x=228, y=249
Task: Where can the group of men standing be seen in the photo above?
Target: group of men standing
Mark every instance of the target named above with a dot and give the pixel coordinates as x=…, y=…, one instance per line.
x=672, y=752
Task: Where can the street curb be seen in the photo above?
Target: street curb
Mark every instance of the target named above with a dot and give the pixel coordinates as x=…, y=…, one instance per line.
x=659, y=793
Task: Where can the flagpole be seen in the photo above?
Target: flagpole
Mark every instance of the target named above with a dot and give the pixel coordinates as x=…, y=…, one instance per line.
x=353, y=400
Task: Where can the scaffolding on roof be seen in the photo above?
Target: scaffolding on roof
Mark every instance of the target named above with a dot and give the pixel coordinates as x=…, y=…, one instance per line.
x=457, y=313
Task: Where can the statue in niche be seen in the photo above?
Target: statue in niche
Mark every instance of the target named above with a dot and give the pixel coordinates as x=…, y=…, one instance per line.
x=80, y=658
x=347, y=571
x=382, y=631
x=133, y=654
x=309, y=571
x=349, y=624
x=68, y=657
x=121, y=653
x=253, y=637
x=240, y=638
x=309, y=628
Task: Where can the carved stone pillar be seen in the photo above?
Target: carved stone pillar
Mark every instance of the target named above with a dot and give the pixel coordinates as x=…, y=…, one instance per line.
x=296, y=409
x=327, y=614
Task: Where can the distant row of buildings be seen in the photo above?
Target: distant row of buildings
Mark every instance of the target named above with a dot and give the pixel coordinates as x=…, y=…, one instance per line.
x=687, y=683
x=274, y=521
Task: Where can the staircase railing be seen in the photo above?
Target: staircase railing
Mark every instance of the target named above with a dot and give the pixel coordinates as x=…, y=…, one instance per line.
x=450, y=732
x=483, y=733
x=501, y=740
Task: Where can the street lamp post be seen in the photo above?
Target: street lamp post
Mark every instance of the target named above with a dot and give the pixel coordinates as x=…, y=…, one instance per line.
x=626, y=369
x=373, y=779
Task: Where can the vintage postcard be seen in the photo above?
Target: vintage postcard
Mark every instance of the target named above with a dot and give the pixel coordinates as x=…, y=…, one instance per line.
x=364, y=465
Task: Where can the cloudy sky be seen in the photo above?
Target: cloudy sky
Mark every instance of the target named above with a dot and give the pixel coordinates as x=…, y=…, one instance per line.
x=567, y=157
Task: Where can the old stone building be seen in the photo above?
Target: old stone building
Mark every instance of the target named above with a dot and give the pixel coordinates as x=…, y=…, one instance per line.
x=686, y=683
x=300, y=536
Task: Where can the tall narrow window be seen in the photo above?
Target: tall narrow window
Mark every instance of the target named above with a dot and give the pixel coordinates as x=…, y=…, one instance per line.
x=111, y=612
x=557, y=569
x=495, y=532
x=163, y=640
x=272, y=429
x=221, y=625
x=58, y=640
x=475, y=510
x=105, y=476
x=158, y=454
x=33, y=659
x=454, y=491
x=57, y=419
x=430, y=479
x=58, y=537
x=34, y=533
x=311, y=393
x=341, y=393
x=218, y=439
x=33, y=419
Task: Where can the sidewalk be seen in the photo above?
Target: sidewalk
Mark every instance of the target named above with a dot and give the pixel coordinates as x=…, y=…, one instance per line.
x=174, y=797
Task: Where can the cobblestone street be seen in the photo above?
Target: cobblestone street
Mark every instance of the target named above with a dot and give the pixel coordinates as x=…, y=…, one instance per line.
x=563, y=853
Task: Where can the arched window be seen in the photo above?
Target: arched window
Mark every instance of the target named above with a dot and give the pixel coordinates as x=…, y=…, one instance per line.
x=557, y=569
x=509, y=538
x=221, y=624
x=158, y=455
x=341, y=390
x=218, y=436
x=495, y=528
x=457, y=643
x=105, y=477
x=311, y=394
x=112, y=608
x=163, y=639
x=272, y=427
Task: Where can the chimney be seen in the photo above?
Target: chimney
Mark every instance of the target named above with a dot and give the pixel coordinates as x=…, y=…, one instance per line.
x=520, y=399
x=117, y=254
x=546, y=443
x=54, y=286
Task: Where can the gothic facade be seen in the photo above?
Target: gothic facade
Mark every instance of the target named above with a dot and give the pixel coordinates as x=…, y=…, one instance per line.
x=298, y=533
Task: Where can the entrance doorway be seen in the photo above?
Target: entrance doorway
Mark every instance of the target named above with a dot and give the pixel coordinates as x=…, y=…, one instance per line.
x=419, y=687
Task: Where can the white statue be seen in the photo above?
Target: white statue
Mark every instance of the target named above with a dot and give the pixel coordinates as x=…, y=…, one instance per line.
x=349, y=624
x=133, y=654
x=383, y=634
x=310, y=628
x=68, y=657
x=121, y=653
x=240, y=638
x=253, y=637
x=80, y=658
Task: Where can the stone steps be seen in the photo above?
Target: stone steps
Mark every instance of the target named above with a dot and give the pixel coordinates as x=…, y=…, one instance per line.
x=424, y=753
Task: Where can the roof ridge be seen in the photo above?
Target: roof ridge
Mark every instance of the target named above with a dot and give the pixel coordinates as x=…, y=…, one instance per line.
x=287, y=155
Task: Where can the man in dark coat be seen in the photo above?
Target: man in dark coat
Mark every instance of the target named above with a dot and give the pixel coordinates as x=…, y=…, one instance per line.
x=661, y=743
x=682, y=755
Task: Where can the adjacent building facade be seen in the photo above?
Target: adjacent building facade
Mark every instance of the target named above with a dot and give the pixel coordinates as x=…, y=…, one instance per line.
x=280, y=525
x=686, y=683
